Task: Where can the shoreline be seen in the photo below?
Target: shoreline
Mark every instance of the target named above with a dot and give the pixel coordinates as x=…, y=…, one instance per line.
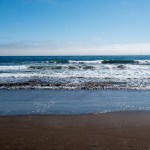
x=113, y=130
x=77, y=115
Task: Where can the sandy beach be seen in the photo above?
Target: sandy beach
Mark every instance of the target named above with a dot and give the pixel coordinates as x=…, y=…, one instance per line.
x=120, y=130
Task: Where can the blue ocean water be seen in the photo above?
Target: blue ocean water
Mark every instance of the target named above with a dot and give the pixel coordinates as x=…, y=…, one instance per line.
x=68, y=102
x=74, y=84
x=75, y=72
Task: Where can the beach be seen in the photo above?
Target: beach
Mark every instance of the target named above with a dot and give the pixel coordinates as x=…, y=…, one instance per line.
x=74, y=75
x=116, y=130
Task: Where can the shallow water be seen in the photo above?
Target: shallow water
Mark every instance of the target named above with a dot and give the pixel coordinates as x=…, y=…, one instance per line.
x=67, y=102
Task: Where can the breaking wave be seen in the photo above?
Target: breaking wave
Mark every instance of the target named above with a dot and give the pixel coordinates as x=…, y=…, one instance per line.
x=85, y=67
x=75, y=72
x=134, y=62
x=119, y=62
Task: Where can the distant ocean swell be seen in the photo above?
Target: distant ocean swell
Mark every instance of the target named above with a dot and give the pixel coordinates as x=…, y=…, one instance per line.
x=75, y=72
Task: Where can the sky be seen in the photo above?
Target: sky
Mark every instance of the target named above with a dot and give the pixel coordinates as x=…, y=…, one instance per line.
x=74, y=27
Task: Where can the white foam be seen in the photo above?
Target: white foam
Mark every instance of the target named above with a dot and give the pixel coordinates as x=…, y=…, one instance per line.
x=136, y=76
x=85, y=62
x=21, y=67
x=143, y=62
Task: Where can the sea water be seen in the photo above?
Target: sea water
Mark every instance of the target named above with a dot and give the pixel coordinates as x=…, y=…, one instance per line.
x=75, y=72
x=72, y=102
x=73, y=84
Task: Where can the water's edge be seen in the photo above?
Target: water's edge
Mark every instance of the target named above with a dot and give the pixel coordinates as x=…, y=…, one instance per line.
x=72, y=102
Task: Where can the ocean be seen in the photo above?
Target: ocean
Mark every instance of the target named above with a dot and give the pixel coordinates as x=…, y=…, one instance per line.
x=66, y=85
x=75, y=72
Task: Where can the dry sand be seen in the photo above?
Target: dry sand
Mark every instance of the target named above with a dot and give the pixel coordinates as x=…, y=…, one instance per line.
x=113, y=131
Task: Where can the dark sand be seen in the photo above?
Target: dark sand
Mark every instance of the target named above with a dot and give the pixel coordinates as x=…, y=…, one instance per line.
x=113, y=131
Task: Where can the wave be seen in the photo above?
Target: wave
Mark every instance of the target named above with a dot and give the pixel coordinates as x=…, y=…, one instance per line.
x=105, y=62
x=143, y=62
x=112, y=85
x=119, y=62
x=61, y=67
x=135, y=62
x=45, y=67
x=42, y=85
x=85, y=62
x=73, y=65
x=21, y=67
x=73, y=81
x=59, y=61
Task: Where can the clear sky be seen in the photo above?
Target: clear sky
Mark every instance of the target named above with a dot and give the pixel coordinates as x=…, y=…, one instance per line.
x=74, y=27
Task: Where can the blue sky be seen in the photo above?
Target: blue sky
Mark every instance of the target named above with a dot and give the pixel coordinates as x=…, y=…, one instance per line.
x=74, y=27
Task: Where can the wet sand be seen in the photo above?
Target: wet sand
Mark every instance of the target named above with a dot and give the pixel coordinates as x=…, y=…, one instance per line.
x=113, y=131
